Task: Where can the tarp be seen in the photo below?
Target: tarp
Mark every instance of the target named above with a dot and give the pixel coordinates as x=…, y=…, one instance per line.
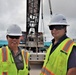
x=3, y=43
x=47, y=44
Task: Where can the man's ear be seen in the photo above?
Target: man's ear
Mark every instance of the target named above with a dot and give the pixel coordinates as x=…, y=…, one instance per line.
x=21, y=37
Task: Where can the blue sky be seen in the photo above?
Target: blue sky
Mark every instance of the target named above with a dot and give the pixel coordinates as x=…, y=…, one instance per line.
x=14, y=11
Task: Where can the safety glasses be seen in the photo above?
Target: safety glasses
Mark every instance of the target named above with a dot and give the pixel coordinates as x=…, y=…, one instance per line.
x=57, y=27
x=14, y=37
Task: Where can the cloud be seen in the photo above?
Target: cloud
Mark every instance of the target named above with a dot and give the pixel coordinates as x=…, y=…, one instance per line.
x=11, y=12
x=14, y=11
x=72, y=29
x=65, y=7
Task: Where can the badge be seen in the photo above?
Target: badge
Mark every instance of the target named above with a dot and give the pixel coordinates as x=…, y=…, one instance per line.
x=20, y=58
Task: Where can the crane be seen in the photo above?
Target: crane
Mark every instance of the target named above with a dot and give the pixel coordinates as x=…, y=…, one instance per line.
x=32, y=35
x=34, y=40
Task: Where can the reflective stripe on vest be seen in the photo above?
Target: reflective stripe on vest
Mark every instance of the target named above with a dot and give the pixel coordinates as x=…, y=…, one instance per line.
x=46, y=71
x=25, y=56
x=4, y=58
x=4, y=54
x=67, y=45
x=4, y=73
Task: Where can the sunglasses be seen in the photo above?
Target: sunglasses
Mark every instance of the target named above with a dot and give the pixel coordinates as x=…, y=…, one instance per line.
x=14, y=37
x=57, y=27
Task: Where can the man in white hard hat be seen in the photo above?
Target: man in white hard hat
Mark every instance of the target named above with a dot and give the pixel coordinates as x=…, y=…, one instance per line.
x=61, y=55
x=14, y=61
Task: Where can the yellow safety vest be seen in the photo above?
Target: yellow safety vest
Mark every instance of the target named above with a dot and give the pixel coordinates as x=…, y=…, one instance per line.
x=56, y=63
x=7, y=63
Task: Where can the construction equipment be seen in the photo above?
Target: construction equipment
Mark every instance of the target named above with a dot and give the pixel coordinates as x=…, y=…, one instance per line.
x=33, y=39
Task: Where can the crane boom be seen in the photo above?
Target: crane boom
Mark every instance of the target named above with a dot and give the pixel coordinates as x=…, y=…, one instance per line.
x=33, y=8
x=33, y=37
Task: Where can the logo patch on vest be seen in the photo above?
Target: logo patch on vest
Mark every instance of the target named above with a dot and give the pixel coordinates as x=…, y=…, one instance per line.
x=20, y=58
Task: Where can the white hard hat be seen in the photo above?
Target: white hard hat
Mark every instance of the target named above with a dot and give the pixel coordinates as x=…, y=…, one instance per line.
x=14, y=30
x=58, y=19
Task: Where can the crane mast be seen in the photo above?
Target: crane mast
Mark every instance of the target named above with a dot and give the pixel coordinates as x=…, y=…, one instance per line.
x=33, y=8
x=34, y=42
x=34, y=39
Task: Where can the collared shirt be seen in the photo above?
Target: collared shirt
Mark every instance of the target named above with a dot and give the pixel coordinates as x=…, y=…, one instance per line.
x=72, y=57
x=54, y=46
x=18, y=59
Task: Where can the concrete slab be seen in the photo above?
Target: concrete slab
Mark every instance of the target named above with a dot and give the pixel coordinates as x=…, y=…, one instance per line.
x=35, y=69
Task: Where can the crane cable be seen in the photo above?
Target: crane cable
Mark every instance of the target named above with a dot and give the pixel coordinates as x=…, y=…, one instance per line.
x=50, y=7
x=42, y=22
x=43, y=17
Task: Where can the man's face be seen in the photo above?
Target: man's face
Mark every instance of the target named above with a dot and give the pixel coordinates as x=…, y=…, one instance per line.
x=57, y=31
x=13, y=41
